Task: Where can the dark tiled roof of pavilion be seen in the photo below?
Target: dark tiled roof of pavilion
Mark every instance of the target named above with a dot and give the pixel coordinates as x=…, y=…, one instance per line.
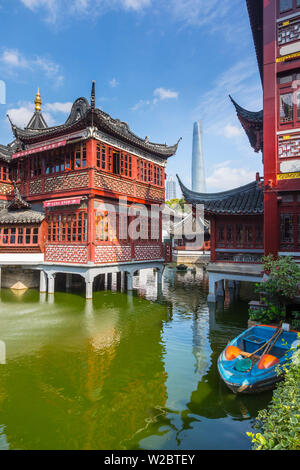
x=5, y=153
x=21, y=216
x=251, y=116
x=255, y=11
x=244, y=200
x=17, y=202
x=37, y=122
x=19, y=211
x=83, y=116
x=252, y=123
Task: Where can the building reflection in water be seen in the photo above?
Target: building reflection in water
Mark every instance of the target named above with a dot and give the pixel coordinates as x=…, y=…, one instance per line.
x=2, y=352
x=96, y=379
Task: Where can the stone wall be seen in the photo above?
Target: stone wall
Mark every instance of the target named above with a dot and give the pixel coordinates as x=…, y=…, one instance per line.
x=13, y=274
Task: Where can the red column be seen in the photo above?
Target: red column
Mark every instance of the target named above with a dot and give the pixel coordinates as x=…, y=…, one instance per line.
x=213, y=239
x=91, y=229
x=271, y=226
x=91, y=156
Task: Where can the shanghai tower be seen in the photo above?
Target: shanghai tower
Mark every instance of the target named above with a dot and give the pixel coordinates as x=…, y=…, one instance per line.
x=198, y=173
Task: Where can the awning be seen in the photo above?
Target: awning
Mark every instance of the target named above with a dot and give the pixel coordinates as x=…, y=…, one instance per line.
x=71, y=201
x=43, y=148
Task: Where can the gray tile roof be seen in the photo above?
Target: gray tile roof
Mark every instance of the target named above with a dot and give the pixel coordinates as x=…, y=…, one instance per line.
x=246, y=200
x=21, y=216
x=37, y=122
x=5, y=153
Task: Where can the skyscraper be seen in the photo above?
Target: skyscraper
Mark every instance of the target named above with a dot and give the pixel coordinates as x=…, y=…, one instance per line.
x=171, y=189
x=198, y=173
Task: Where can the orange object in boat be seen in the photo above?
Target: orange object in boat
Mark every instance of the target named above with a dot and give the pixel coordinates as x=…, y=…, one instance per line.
x=266, y=361
x=232, y=352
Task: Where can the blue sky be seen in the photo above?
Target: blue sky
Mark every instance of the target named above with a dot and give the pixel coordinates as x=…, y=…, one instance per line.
x=159, y=65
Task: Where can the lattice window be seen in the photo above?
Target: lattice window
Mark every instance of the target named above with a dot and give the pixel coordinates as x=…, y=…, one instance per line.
x=285, y=5
x=249, y=235
x=229, y=234
x=258, y=235
x=239, y=235
x=67, y=227
x=286, y=107
x=18, y=236
x=221, y=235
x=4, y=173
x=286, y=229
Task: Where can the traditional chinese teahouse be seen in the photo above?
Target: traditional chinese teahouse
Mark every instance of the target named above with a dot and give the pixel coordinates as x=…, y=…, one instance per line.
x=262, y=217
x=60, y=191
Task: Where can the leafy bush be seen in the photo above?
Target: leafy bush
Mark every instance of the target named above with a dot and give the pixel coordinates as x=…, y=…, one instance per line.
x=268, y=314
x=280, y=423
x=283, y=278
x=280, y=287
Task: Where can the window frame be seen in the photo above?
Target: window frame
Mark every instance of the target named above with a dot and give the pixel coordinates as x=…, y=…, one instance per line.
x=286, y=88
x=67, y=226
x=15, y=233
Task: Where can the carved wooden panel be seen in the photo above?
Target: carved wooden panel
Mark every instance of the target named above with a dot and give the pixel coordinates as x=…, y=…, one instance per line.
x=66, y=254
x=111, y=254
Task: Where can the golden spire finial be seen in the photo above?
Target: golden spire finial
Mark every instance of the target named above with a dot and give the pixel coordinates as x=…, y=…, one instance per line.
x=38, y=101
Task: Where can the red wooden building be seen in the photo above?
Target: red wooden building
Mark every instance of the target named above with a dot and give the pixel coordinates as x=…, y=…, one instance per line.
x=264, y=216
x=77, y=187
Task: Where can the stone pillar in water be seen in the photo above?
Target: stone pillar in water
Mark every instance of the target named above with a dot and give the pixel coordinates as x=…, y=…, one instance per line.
x=43, y=281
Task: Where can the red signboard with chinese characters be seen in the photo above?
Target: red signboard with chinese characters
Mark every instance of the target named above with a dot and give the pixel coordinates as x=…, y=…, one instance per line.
x=63, y=202
x=52, y=146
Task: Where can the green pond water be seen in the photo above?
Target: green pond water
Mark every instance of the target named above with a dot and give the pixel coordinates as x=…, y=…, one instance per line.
x=121, y=371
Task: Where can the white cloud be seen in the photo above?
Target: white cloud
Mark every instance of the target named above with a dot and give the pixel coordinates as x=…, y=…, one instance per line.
x=56, y=9
x=135, y=4
x=13, y=58
x=226, y=177
x=160, y=94
x=59, y=107
x=12, y=61
x=51, y=7
x=113, y=83
x=213, y=15
x=231, y=131
x=21, y=116
x=140, y=104
x=163, y=94
x=22, y=113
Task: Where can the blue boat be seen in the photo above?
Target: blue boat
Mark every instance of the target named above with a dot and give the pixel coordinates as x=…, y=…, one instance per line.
x=248, y=363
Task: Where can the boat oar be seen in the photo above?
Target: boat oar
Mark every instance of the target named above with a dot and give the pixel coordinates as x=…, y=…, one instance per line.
x=270, y=346
x=249, y=355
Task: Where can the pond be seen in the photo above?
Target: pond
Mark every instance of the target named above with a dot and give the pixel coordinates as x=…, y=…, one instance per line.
x=122, y=371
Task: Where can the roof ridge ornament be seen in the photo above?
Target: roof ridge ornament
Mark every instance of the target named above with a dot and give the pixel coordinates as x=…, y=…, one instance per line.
x=17, y=202
x=93, y=96
x=38, y=101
